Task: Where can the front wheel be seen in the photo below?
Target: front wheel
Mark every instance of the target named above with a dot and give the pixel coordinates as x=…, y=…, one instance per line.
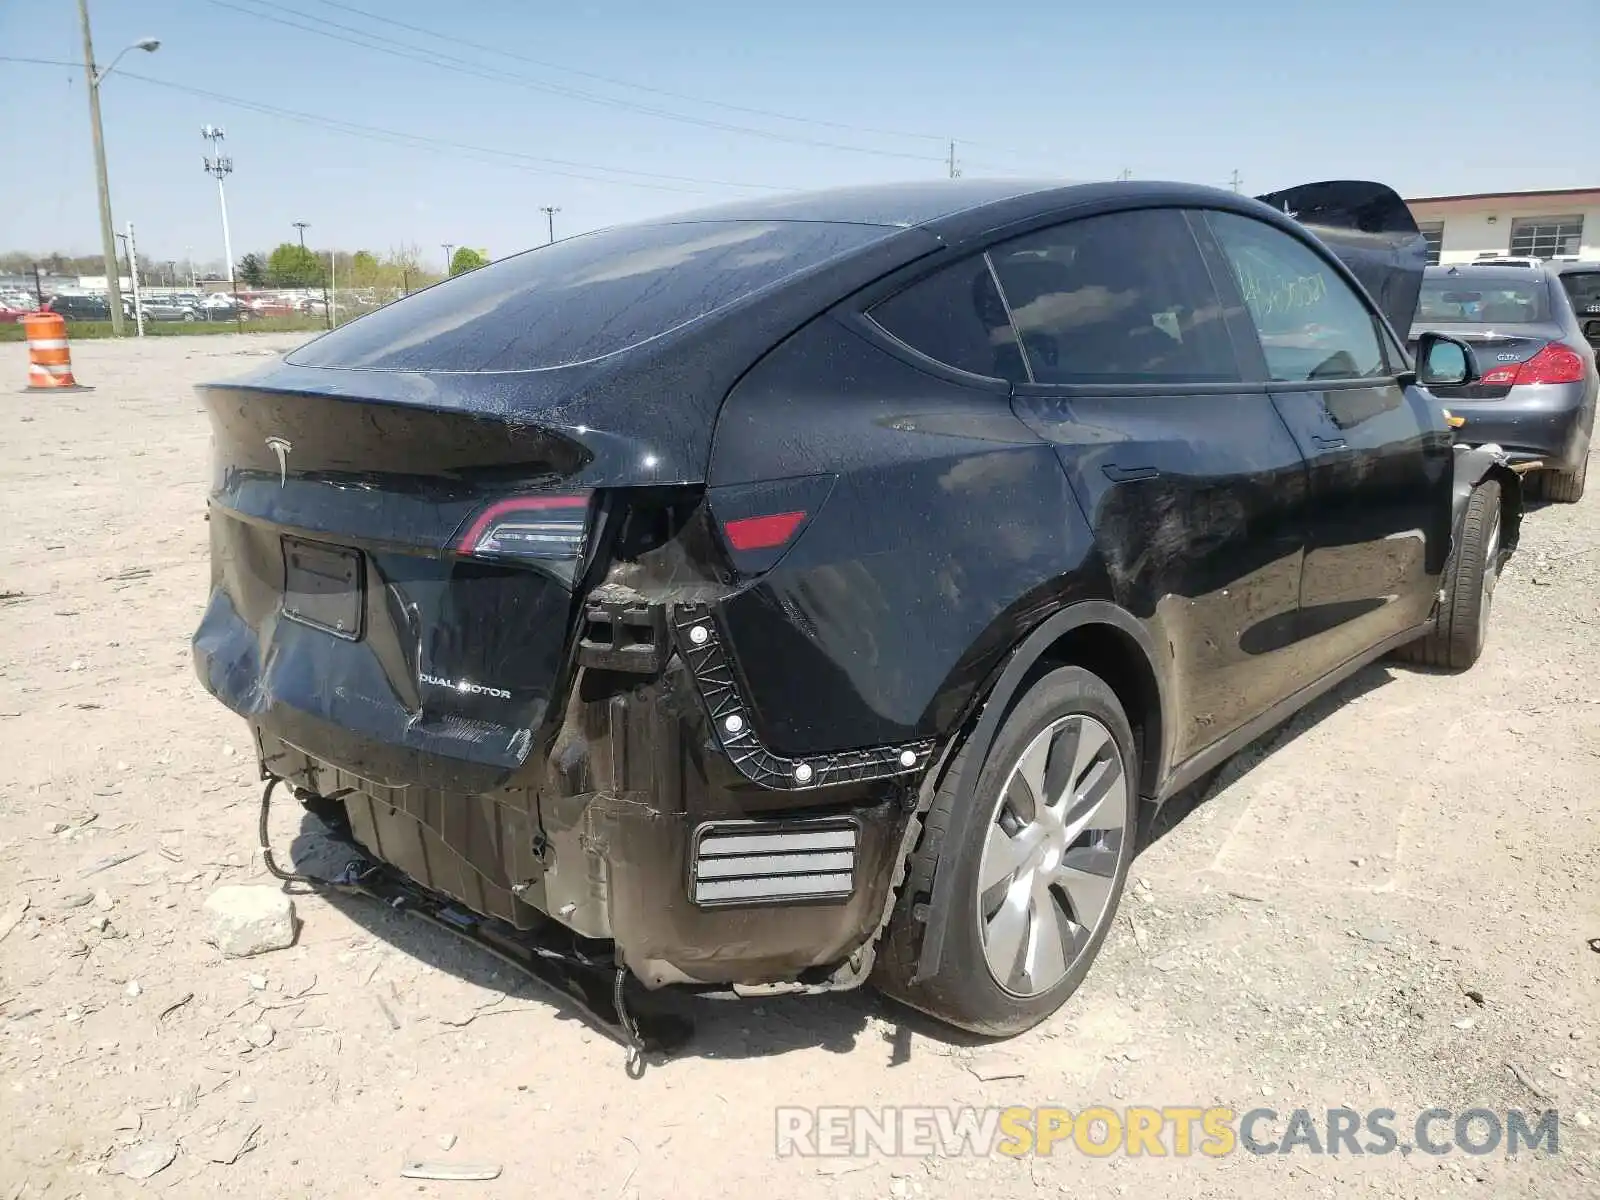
x=1039, y=849
x=1462, y=626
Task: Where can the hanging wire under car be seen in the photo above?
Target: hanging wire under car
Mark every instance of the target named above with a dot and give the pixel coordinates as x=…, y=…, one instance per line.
x=566, y=973
x=267, y=860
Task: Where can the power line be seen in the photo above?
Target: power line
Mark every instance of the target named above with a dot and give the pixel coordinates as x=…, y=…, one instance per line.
x=400, y=137
x=376, y=42
x=43, y=62
x=395, y=136
x=624, y=83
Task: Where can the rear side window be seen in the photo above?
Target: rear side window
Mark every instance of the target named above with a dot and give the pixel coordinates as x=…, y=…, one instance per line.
x=1312, y=325
x=956, y=317
x=1120, y=298
x=585, y=297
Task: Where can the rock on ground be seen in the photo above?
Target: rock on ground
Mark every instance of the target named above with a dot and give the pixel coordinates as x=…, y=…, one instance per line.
x=250, y=920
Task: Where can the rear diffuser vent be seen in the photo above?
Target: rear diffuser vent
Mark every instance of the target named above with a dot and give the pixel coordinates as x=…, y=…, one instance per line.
x=773, y=862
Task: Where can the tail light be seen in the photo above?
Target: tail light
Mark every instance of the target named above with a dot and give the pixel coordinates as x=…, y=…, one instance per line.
x=548, y=529
x=1553, y=364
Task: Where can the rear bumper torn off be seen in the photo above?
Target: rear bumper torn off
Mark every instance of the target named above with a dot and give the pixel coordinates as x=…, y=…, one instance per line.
x=635, y=828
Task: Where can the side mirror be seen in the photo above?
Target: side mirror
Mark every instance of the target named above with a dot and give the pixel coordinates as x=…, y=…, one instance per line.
x=1442, y=359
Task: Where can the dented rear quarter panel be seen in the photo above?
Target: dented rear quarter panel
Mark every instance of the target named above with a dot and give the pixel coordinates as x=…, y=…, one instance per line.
x=950, y=531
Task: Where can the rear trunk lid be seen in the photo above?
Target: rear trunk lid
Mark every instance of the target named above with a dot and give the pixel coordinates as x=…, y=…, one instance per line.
x=346, y=611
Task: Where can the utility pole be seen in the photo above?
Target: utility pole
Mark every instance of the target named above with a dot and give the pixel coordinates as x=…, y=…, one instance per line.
x=108, y=235
x=300, y=228
x=550, y=212
x=1126, y=175
x=133, y=277
x=955, y=171
x=448, y=247
x=1235, y=181
x=38, y=288
x=220, y=166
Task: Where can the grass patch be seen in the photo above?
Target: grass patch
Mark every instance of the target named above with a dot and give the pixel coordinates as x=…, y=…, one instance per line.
x=80, y=330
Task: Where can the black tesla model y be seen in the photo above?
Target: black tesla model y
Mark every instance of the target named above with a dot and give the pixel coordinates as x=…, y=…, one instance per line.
x=821, y=589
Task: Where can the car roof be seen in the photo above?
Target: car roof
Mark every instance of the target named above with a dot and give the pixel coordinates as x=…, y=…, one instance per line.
x=1569, y=268
x=955, y=207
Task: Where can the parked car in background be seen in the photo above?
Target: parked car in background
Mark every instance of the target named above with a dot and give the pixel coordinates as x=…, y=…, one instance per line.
x=1537, y=394
x=220, y=307
x=1581, y=281
x=85, y=307
x=168, y=310
x=978, y=519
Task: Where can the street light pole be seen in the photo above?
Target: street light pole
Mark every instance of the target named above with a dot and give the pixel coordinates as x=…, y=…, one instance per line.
x=108, y=235
x=550, y=212
x=448, y=247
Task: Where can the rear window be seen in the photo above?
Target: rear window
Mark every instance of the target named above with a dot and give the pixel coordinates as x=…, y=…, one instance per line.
x=583, y=298
x=1583, y=287
x=1484, y=301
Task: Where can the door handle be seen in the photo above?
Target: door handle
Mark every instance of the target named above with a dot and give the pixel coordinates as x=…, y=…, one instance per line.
x=1127, y=474
x=1329, y=443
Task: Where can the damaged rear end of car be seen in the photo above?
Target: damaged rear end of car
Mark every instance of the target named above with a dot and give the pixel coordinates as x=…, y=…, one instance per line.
x=465, y=583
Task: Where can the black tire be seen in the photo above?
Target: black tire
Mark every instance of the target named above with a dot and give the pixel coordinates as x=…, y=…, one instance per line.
x=1462, y=625
x=964, y=991
x=1563, y=487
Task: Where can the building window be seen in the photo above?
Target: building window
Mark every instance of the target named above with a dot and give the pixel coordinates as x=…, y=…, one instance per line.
x=1433, y=231
x=1546, y=237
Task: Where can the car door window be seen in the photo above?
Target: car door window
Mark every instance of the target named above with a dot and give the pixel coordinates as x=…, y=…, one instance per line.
x=1313, y=326
x=1120, y=298
x=955, y=316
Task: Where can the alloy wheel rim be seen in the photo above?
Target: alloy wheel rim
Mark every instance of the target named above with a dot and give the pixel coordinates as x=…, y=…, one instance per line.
x=1054, y=842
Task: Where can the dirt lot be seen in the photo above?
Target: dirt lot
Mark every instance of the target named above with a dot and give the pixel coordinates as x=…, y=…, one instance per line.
x=1386, y=904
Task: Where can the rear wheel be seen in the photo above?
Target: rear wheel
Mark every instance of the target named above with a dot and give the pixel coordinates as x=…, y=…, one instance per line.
x=1564, y=487
x=1039, y=848
x=1462, y=625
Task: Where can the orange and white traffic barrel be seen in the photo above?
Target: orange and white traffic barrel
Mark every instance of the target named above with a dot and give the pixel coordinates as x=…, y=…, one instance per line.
x=49, y=357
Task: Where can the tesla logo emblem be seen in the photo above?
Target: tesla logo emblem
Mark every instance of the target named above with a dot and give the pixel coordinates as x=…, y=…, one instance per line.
x=281, y=448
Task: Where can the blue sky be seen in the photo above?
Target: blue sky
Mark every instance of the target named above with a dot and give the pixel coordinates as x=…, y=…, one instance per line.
x=1431, y=97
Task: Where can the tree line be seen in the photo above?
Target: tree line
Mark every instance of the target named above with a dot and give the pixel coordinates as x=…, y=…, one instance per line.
x=293, y=265
x=287, y=265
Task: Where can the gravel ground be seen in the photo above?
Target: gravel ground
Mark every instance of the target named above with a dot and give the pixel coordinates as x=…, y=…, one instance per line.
x=1388, y=903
